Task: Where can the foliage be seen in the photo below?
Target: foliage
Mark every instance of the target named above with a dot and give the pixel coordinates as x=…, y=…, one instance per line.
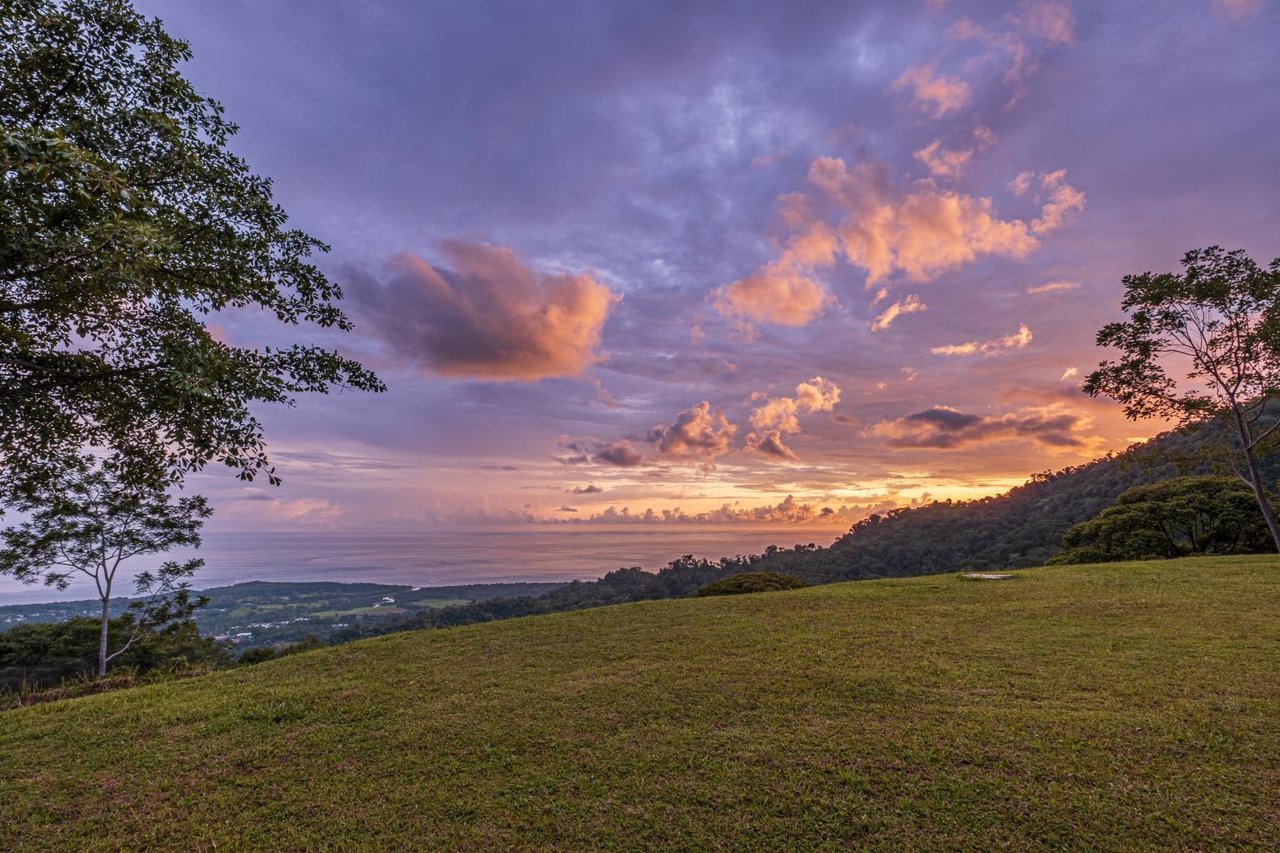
x=125, y=223
x=1131, y=706
x=1172, y=518
x=751, y=582
x=84, y=520
x=44, y=655
x=1220, y=322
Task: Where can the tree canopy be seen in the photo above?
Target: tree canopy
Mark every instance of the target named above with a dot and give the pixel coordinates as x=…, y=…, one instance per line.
x=1218, y=322
x=125, y=224
x=1180, y=517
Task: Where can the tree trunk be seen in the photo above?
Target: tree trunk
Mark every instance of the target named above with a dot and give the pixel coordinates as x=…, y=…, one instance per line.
x=1260, y=493
x=102, y=638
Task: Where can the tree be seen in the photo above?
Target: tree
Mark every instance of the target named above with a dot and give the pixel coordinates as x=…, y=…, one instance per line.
x=82, y=519
x=46, y=654
x=1171, y=518
x=125, y=225
x=1219, y=321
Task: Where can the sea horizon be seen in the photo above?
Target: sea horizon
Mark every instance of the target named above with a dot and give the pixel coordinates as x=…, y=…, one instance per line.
x=444, y=556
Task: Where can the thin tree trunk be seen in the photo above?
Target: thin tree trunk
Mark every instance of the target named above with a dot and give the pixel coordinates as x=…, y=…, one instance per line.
x=102, y=637
x=1260, y=494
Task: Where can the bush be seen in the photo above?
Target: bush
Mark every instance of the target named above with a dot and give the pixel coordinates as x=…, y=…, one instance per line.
x=751, y=582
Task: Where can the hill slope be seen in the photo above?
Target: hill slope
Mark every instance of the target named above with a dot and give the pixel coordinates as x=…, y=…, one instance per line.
x=1069, y=707
x=1022, y=527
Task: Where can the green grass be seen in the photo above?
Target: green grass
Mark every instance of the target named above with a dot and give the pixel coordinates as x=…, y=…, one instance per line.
x=1123, y=706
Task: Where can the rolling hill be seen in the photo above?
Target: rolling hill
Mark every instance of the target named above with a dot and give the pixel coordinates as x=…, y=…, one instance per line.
x=1128, y=705
x=1022, y=527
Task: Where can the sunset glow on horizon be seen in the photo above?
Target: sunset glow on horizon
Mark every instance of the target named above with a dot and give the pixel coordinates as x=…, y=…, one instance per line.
x=630, y=263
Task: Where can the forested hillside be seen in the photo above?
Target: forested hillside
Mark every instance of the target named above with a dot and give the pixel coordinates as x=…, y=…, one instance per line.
x=1022, y=527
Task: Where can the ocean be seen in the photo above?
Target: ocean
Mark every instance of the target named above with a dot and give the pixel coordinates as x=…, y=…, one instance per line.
x=443, y=557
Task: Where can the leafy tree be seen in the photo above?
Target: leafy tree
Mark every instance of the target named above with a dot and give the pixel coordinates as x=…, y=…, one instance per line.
x=1173, y=518
x=125, y=223
x=82, y=519
x=43, y=655
x=1220, y=322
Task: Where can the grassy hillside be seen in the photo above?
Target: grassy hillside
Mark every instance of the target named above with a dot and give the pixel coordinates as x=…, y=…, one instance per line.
x=1099, y=707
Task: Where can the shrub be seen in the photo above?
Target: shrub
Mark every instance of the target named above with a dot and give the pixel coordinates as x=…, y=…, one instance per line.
x=751, y=582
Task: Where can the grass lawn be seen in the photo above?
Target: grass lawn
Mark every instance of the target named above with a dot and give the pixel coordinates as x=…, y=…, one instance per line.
x=1109, y=707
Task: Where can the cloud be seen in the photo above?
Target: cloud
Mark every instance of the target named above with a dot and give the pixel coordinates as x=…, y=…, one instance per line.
x=1238, y=10
x=945, y=428
x=487, y=315
x=1063, y=200
x=698, y=433
x=257, y=506
x=590, y=489
x=1018, y=340
x=1047, y=22
x=619, y=453
x=931, y=92
x=949, y=163
x=776, y=293
x=941, y=162
x=1054, y=287
x=585, y=451
x=779, y=416
x=907, y=305
x=785, y=292
x=1048, y=19
x=769, y=443
x=920, y=231
x=567, y=509
x=786, y=511
x=817, y=395
x=1069, y=373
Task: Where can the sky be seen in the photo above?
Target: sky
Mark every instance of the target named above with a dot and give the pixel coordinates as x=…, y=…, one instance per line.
x=724, y=262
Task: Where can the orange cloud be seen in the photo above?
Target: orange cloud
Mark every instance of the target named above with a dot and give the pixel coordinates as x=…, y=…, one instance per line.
x=949, y=163
x=698, y=433
x=907, y=305
x=784, y=292
x=1063, y=200
x=779, y=416
x=931, y=92
x=924, y=230
x=487, y=315
x=941, y=162
x=1018, y=340
x=787, y=511
x=920, y=231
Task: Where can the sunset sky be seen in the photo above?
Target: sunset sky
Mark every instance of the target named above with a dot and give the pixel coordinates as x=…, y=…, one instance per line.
x=725, y=262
